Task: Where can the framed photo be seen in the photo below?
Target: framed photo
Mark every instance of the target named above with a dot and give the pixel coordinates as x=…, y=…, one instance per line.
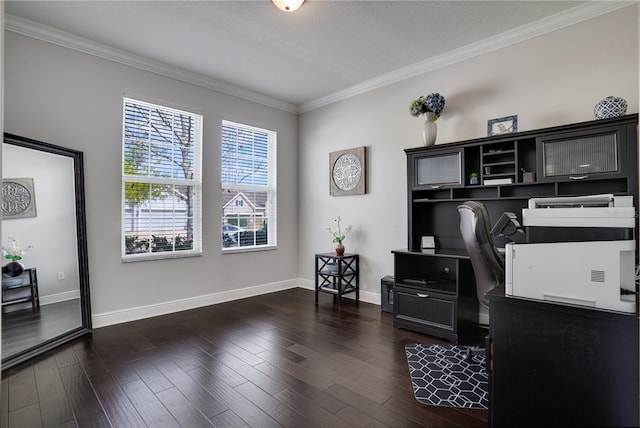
x=18, y=198
x=348, y=172
x=503, y=125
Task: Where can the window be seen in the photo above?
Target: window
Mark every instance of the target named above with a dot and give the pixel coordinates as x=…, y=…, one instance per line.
x=248, y=187
x=161, y=181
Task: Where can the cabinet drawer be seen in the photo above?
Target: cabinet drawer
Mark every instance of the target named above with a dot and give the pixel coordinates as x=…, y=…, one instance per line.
x=425, y=309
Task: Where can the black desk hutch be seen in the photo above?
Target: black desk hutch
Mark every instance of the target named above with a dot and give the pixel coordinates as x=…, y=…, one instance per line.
x=433, y=290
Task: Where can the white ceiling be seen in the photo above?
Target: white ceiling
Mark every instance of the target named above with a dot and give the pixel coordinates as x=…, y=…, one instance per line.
x=296, y=61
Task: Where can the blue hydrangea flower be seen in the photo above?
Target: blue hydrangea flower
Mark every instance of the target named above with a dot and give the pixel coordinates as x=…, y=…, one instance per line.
x=431, y=103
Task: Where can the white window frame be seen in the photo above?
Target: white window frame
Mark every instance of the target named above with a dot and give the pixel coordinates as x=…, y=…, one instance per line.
x=271, y=189
x=195, y=183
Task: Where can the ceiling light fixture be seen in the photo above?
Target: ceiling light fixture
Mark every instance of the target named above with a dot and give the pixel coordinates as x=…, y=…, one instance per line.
x=288, y=5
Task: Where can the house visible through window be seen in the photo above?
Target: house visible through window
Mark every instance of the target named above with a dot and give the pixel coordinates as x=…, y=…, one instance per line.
x=161, y=181
x=248, y=187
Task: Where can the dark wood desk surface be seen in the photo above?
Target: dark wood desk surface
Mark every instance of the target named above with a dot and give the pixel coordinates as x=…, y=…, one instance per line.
x=453, y=253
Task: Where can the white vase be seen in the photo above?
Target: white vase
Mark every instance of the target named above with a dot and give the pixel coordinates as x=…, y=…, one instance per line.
x=429, y=129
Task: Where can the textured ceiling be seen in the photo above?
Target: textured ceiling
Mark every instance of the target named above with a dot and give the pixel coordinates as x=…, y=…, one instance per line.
x=323, y=48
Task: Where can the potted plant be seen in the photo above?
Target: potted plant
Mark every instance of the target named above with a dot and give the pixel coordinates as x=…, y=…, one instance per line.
x=14, y=253
x=473, y=178
x=432, y=103
x=431, y=106
x=339, y=235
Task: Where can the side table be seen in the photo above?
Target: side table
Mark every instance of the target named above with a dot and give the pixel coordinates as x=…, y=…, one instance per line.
x=25, y=291
x=337, y=275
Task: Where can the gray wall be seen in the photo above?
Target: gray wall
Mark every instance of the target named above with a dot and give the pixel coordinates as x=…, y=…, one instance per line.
x=553, y=79
x=74, y=100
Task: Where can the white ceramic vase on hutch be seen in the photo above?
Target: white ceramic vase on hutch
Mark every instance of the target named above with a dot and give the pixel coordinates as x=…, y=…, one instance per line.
x=429, y=129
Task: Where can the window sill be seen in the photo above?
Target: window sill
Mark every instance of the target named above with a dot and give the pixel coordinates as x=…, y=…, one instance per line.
x=160, y=256
x=248, y=249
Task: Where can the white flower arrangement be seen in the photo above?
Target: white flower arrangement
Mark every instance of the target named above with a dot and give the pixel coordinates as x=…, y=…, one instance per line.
x=338, y=234
x=14, y=252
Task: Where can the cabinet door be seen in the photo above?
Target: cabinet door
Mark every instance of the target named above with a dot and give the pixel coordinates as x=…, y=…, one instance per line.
x=426, y=312
x=595, y=153
x=438, y=169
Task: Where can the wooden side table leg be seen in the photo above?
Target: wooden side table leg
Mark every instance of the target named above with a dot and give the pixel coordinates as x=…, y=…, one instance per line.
x=358, y=280
x=340, y=284
x=34, y=291
x=316, y=275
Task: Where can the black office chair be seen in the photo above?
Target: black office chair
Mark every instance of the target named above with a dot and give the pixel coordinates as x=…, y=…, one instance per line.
x=487, y=262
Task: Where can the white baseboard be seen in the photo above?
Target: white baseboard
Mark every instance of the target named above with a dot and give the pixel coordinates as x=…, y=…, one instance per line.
x=116, y=317
x=365, y=296
x=59, y=297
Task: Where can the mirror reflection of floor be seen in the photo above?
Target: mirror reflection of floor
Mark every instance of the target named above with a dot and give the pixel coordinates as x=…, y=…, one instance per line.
x=26, y=328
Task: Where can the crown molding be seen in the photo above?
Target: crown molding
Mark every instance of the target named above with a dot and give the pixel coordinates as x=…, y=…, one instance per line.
x=67, y=40
x=555, y=22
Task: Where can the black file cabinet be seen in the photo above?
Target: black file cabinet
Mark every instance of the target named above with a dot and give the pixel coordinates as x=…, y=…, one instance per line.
x=434, y=292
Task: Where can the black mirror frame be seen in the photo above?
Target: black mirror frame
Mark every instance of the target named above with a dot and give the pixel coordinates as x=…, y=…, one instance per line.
x=83, y=261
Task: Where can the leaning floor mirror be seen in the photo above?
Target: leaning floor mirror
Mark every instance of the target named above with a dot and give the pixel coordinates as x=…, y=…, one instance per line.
x=45, y=278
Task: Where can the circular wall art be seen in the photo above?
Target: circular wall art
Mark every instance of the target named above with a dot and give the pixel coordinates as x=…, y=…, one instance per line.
x=18, y=198
x=347, y=172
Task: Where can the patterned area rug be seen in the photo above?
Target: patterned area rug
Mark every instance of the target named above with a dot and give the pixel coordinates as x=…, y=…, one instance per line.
x=441, y=377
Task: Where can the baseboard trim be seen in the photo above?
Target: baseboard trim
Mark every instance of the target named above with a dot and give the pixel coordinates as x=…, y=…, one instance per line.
x=365, y=296
x=132, y=314
x=59, y=297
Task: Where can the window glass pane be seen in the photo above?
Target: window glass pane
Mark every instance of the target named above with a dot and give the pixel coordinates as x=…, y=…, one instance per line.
x=245, y=156
x=162, y=221
x=245, y=219
x=162, y=160
x=136, y=158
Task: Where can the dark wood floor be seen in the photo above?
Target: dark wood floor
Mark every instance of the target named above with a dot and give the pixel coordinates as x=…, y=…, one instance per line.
x=268, y=361
x=26, y=328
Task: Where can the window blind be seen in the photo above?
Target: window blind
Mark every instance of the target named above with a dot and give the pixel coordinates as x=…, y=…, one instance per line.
x=248, y=173
x=161, y=181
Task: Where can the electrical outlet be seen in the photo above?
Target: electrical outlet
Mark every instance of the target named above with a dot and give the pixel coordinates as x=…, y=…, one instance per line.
x=60, y=276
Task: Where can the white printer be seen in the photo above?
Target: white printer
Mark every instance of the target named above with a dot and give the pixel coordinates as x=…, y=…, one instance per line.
x=584, y=253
